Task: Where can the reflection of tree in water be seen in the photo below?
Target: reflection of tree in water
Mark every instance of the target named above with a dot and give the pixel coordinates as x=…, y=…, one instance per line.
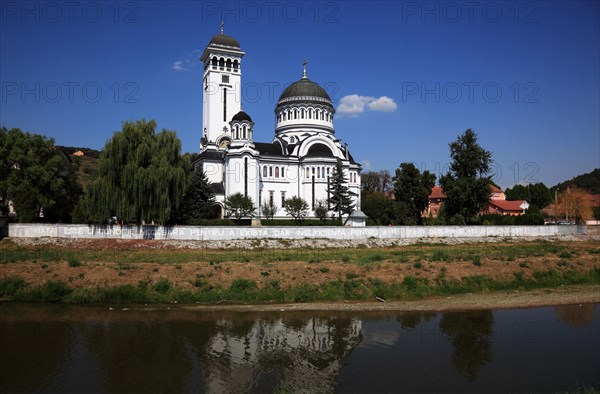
x=145, y=356
x=577, y=315
x=38, y=351
x=470, y=334
x=413, y=319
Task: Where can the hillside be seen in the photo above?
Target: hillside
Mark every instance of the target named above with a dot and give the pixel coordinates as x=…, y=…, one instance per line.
x=589, y=182
x=86, y=165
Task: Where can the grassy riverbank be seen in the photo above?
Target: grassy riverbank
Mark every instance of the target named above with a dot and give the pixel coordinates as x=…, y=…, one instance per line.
x=128, y=273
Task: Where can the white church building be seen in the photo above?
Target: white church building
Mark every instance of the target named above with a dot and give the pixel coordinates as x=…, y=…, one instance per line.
x=302, y=155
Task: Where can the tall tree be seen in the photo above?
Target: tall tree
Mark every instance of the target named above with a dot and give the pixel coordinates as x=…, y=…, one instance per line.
x=198, y=200
x=340, y=196
x=141, y=176
x=467, y=184
x=36, y=177
x=239, y=206
x=412, y=188
x=296, y=207
x=574, y=203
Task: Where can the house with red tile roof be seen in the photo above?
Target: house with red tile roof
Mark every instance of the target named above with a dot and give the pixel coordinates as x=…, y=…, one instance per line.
x=504, y=207
x=498, y=203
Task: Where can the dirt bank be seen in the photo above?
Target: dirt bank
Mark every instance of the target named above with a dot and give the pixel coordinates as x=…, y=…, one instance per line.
x=563, y=295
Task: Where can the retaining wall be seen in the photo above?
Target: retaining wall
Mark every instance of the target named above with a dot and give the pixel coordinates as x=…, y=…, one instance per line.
x=227, y=233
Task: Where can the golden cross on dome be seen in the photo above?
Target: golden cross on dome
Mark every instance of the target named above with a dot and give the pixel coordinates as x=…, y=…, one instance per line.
x=222, y=27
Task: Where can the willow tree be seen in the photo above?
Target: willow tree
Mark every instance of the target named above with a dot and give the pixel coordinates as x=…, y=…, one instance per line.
x=141, y=177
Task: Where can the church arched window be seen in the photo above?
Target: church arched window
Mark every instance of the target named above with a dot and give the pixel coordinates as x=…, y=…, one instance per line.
x=276, y=172
x=285, y=116
x=318, y=172
x=236, y=64
x=264, y=171
x=244, y=131
x=307, y=172
x=302, y=113
x=221, y=63
x=295, y=114
x=271, y=171
x=283, y=172
x=228, y=64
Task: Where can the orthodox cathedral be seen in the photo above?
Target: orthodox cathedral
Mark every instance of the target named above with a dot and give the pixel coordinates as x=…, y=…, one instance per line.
x=300, y=159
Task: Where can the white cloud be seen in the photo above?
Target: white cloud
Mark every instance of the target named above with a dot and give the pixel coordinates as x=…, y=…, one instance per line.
x=383, y=104
x=178, y=66
x=353, y=104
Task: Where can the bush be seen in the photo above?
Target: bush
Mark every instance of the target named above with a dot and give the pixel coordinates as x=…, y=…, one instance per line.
x=74, y=262
x=9, y=286
x=162, y=286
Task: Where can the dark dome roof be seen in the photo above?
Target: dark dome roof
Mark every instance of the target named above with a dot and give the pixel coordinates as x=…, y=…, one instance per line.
x=222, y=39
x=319, y=150
x=304, y=88
x=242, y=116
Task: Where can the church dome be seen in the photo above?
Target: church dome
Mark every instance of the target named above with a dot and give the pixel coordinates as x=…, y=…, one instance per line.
x=241, y=116
x=225, y=40
x=304, y=90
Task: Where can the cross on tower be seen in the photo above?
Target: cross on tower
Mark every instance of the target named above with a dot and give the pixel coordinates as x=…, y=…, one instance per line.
x=304, y=72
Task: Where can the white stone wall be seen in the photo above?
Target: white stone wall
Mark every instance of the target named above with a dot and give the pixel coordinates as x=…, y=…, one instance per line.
x=228, y=233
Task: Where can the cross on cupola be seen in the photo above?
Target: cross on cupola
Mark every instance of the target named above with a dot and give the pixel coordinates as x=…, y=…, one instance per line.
x=222, y=27
x=304, y=72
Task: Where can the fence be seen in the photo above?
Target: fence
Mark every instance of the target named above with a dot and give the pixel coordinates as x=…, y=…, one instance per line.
x=230, y=233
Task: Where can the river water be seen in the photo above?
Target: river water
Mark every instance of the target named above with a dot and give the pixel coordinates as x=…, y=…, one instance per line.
x=64, y=348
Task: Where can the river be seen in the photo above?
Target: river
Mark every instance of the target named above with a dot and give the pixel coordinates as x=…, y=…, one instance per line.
x=65, y=348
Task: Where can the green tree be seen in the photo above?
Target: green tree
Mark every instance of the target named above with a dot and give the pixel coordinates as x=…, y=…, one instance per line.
x=321, y=209
x=518, y=192
x=382, y=210
x=198, y=200
x=340, y=196
x=141, y=176
x=466, y=185
x=413, y=188
x=36, y=177
x=239, y=206
x=296, y=207
x=540, y=195
x=269, y=209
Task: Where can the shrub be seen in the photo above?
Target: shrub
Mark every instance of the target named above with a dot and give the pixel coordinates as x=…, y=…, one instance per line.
x=9, y=286
x=162, y=286
x=74, y=262
x=418, y=265
x=324, y=270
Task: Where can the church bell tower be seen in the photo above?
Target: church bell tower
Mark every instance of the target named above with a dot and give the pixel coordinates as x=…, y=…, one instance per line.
x=221, y=96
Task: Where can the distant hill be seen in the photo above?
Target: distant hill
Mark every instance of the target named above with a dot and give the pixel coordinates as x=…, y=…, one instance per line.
x=589, y=182
x=69, y=150
x=86, y=164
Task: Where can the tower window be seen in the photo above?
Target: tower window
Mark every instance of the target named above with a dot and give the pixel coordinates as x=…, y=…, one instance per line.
x=307, y=173
x=270, y=171
x=276, y=172
x=302, y=113
x=265, y=171
x=214, y=62
x=225, y=78
x=221, y=63
x=235, y=65
x=282, y=172
x=295, y=114
x=318, y=172
x=228, y=64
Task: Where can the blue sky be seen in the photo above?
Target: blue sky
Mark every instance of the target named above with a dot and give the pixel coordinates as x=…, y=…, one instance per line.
x=406, y=76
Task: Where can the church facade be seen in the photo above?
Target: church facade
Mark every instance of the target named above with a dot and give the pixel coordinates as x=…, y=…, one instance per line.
x=298, y=161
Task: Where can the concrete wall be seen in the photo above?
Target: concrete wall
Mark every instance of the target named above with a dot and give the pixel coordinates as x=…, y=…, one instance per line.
x=227, y=233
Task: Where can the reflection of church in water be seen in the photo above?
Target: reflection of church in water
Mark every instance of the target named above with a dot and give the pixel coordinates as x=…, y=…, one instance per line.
x=300, y=159
x=302, y=355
